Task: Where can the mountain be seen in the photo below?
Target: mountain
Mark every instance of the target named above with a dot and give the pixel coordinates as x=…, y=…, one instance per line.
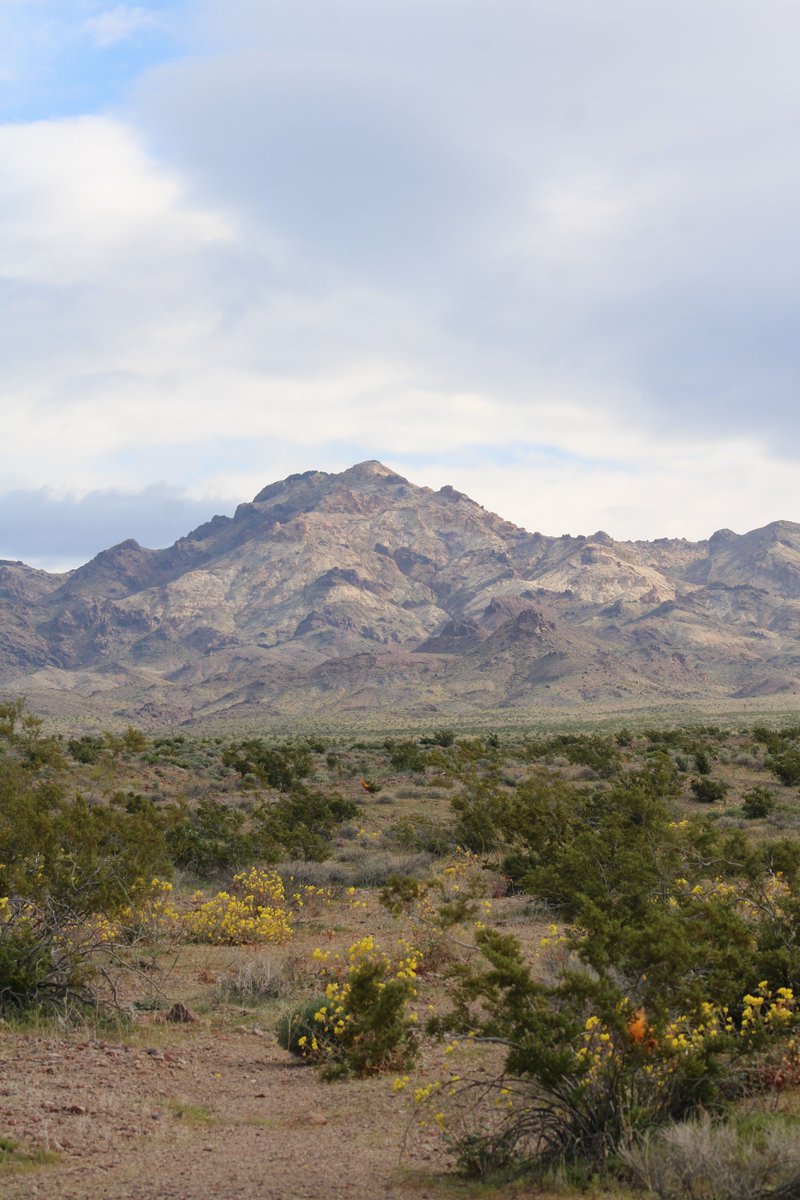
x=361, y=597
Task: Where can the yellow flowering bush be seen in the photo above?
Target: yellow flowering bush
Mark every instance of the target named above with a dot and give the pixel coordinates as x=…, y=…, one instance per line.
x=364, y=1023
x=151, y=916
x=307, y=899
x=255, y=910
x=455, y=895
x=584, y=1067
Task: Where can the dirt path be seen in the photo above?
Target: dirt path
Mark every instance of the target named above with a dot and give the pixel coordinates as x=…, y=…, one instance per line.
x=203, y=1116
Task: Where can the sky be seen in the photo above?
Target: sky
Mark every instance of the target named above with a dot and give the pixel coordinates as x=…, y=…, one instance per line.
x=542, y=250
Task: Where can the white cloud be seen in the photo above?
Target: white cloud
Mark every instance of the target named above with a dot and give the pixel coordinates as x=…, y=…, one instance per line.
x=80, y=196
x=543, y=252
x=120, y=23
x=672, y=490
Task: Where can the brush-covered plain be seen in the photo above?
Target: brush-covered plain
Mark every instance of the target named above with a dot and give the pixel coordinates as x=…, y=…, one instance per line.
x=435, y=964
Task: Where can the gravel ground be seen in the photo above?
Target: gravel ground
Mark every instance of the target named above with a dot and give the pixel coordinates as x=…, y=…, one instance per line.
x=201, y=1116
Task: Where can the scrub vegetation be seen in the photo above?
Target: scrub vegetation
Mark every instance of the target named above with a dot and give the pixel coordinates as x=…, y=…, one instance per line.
x=564, y=958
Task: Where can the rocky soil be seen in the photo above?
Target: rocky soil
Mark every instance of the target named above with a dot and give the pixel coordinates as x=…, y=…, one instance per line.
x=197, y=1116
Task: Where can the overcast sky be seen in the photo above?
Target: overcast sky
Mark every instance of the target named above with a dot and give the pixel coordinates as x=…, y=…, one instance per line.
x=543, y=250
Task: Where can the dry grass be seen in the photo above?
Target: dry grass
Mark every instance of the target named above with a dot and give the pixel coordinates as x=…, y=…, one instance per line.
x=698, y=1160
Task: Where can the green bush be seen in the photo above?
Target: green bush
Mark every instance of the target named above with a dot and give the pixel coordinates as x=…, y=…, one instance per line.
x=212, y=836
x=655, y=1009
x=709, y=791
x=25, y=961
x=600, y=754
x=757, y=802
x=570, y=846
x=702, y=762
x=301, y=823
x=207, y=837
x=786, y=766
x=45, y=955
x=86, y=749
x=276, y=767
x=405, y=756
x=297, y=1028
x=62, y=850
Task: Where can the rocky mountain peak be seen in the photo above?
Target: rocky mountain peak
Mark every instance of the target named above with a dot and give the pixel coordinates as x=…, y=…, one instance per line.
x=722, y=537
x=359, y=591
x=368, y=471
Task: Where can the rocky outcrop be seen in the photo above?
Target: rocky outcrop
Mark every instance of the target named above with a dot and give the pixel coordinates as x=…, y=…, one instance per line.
x=361, y=593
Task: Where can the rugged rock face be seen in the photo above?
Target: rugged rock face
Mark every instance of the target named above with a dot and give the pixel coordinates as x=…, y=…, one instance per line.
x=361, y=595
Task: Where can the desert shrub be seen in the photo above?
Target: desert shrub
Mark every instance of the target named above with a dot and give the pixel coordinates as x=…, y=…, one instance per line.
x=25, y=955
x=254, y=910
x=658, y=738
x=757, y=802
x=405, y=755
x=60, y=850
x=86, y=749
x=302, y=872
x=300, y=824
x=68, y=870
x=212, y=836
x=364, y=1024
x=433, y=901
x=742, y=759
x=583, y=1066
x=277, y=767
x=47, y=954
x=255, y=980
x=479, y=808
x=600, y=754
x=785, y=765
x=709, y=791
x=297, y=1030
x=717, y=1161
x=644, y=1020
x=134, y=740
x=316, y=744
x=571, y=847
x=418, y=832
x=369, y=869
x=481, y=804
x=702, y=762
x=776, y=740
x=51, y=952
x=207, y=837
x=23, y=734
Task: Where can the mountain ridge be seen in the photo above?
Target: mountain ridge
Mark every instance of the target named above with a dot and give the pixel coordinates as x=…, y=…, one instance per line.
x=350, y=595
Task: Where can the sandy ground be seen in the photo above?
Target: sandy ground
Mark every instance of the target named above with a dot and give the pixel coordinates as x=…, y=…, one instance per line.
x=203, y=1115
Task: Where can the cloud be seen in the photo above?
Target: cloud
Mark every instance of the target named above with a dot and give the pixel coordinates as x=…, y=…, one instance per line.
x=81, y=198
x=600, y=186
x=73, y=57
x=60, y=532
x=120, y=23
x=534, y=250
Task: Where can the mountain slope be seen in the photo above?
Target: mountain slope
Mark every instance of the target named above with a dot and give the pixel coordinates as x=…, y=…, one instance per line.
x=359, y=594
